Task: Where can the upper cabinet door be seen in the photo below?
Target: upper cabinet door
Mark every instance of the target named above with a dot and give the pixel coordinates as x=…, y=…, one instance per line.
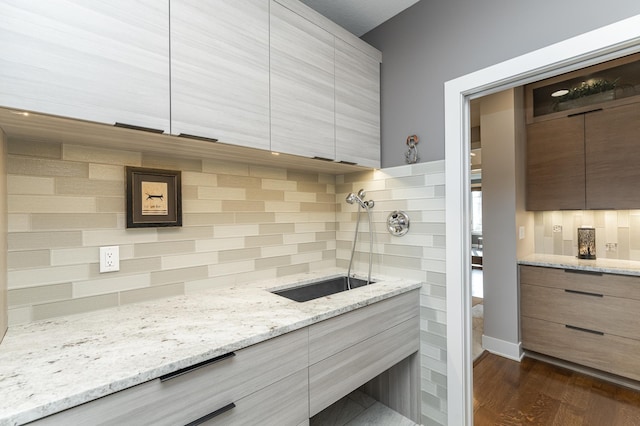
x=556, y=164
x=302, y=86
x=104, y=61
x=220, y=70
x=357, y=106
x=612, y=158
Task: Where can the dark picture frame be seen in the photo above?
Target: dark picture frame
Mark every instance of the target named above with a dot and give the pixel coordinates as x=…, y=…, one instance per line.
x=154, y=197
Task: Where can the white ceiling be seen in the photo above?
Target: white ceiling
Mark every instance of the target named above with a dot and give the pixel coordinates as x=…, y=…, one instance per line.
x=359, y=16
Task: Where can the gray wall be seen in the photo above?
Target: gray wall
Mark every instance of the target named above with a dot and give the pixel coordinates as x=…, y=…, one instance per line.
x=498, y=133
x=435, y=41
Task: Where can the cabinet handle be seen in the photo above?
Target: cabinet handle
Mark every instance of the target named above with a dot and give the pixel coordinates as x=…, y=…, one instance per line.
x=584, y=293
x=586, y=112
x=198, y=138
x=351, y=163
x=196, y=366
x=581, y=271
x=586, y=330
x=322, y=159
x=141, y=128
x=211, y=415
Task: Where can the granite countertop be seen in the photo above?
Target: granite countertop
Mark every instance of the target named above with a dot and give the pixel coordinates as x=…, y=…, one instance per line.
x=609, y=266
x=52, y=365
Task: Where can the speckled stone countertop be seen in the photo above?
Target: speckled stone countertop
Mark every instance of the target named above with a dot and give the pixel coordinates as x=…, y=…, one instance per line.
x=49, y=366
x=609, y=266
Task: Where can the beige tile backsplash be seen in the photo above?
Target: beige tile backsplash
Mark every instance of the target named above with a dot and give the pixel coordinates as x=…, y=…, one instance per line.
x=240, y=222
x=617, y=232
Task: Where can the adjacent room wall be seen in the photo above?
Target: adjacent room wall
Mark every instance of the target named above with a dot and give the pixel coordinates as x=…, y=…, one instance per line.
x=436, y=41
x=499, y=231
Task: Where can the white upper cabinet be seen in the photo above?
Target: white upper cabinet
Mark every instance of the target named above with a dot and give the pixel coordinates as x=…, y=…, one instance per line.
x=302, y=86
x=357, y=87
x=220, y=70
x=96, y=60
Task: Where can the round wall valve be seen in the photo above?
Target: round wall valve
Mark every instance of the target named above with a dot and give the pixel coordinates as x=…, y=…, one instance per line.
x=398, y=223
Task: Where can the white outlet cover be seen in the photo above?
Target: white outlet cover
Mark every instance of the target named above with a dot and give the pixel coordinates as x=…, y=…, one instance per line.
x=109, y=259
x=521, y=230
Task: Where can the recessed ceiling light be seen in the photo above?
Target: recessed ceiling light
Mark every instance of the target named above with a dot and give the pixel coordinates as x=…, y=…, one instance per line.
x=559, y=93
x=275, y=153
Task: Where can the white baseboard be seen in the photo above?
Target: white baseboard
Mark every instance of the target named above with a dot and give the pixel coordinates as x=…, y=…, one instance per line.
x=503, y=348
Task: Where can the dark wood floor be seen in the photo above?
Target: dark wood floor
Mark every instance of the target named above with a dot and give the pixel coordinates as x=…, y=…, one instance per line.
x=533, y=392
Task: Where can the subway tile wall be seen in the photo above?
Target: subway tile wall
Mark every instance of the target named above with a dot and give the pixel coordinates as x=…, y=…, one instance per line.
x=419, y=191
x=617, y=232
x=241, y=223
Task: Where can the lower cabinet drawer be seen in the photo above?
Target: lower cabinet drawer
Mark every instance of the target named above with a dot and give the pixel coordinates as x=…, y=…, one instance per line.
x=283, y=403
x=194, y=394
x=594, y=311
x=339, y=374
x=336, y=334
x=617, y=355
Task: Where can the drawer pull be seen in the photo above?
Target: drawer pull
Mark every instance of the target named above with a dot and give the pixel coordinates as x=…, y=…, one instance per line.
x=196, y=137
x=583, y=293
x=212, y=415
x=196, y=366
x=585, y=112
x=140, y=128
x=580, y=271
x=586, y=330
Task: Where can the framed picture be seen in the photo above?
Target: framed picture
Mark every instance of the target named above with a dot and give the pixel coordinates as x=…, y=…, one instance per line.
x=154, y=198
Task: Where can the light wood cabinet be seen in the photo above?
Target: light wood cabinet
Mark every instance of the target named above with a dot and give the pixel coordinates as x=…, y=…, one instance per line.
x=285, y=402
x=357, y=91
x=183, y=398
x=283, y=380
x=93, y=60
x=264, y=74
x=220, y=70
x=348, y=351
x=582, y=317
x=302, y=86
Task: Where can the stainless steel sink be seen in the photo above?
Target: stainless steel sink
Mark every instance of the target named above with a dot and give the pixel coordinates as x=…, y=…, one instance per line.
x=319, y=289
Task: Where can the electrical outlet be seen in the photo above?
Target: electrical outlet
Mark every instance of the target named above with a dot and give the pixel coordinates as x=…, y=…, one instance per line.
x=557, y=228
x=521, y=232
x=109, y=259
x=612, y=247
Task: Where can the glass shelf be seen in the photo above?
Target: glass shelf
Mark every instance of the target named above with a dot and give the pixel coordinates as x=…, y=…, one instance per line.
x=606, y=82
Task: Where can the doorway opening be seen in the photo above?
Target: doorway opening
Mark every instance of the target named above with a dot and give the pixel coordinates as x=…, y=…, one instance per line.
x=612, y=41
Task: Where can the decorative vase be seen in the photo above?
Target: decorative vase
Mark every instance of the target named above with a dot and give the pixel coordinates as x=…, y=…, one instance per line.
x=586, y=243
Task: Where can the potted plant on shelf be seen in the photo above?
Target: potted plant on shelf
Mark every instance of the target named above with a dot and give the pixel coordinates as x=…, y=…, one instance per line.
x=588, y=92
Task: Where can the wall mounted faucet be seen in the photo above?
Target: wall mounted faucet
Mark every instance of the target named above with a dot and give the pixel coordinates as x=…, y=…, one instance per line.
x=353, y=198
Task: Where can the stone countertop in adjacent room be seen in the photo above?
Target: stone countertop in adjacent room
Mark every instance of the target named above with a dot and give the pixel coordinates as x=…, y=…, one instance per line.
x=609, y=266
x=52, y=365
